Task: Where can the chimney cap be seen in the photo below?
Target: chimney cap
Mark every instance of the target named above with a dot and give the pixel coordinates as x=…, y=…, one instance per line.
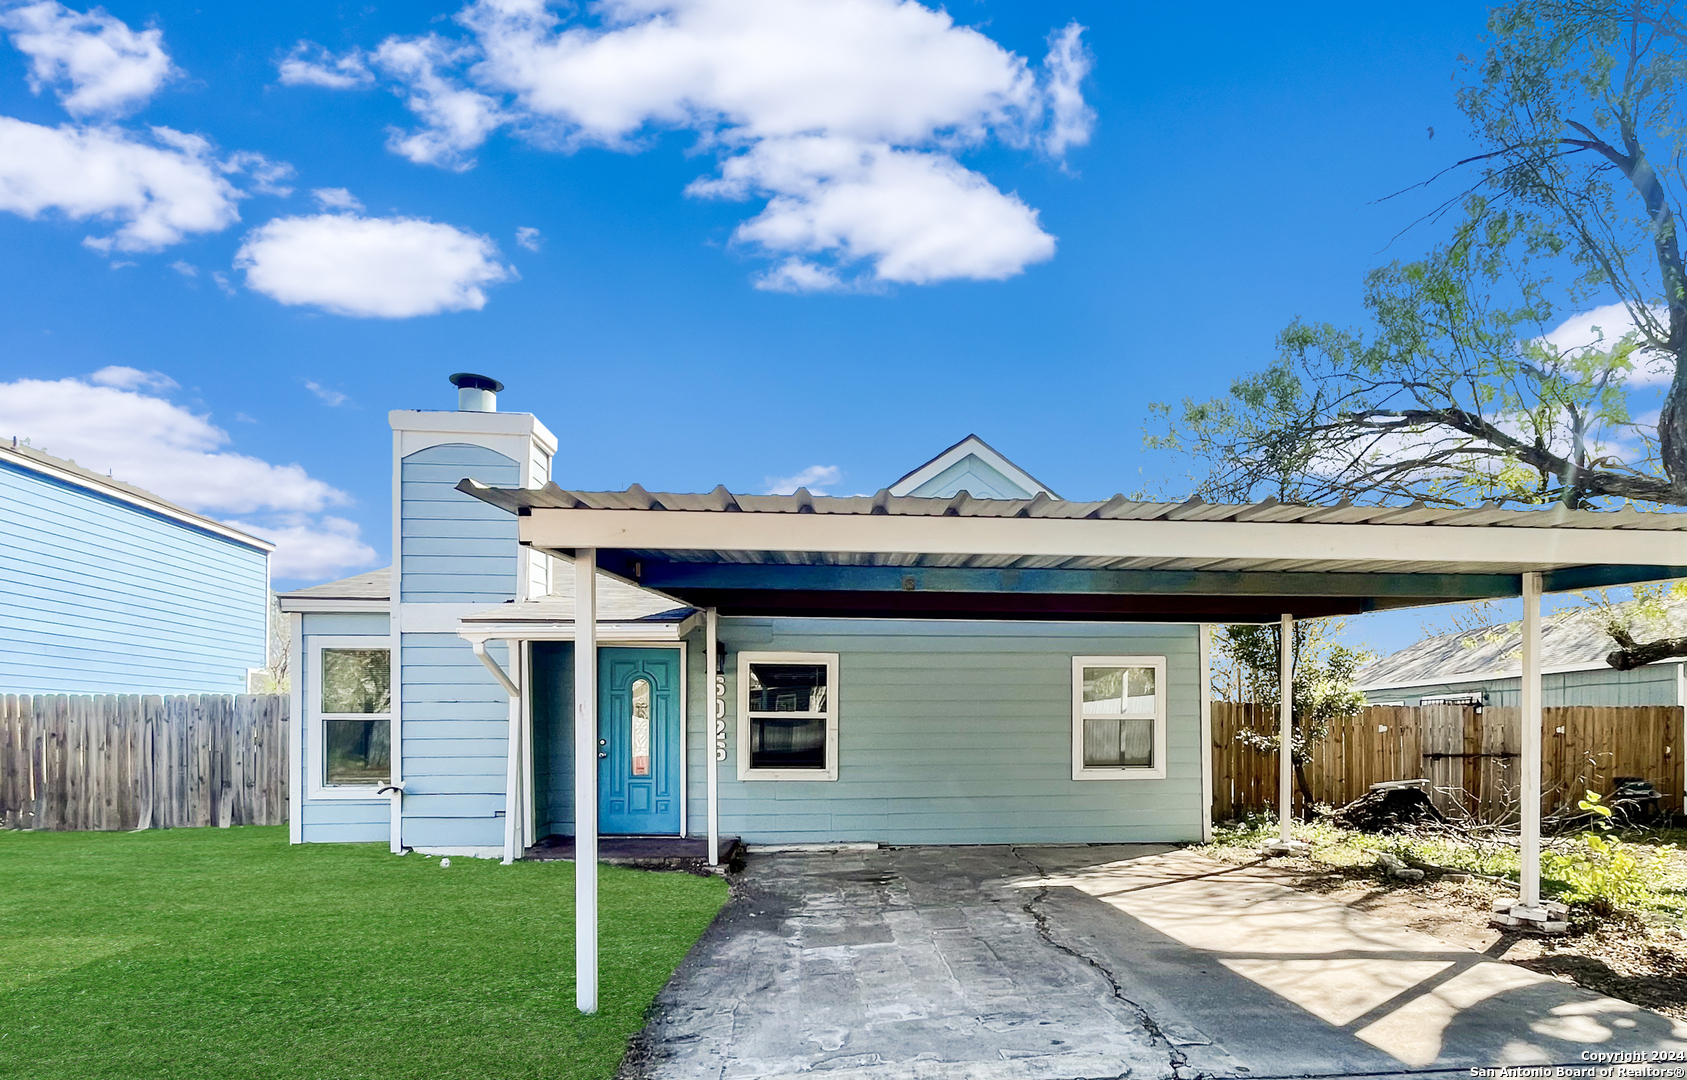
x=464, y=380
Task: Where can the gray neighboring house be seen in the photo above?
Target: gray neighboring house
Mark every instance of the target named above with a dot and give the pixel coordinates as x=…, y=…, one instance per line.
x=1488, y=662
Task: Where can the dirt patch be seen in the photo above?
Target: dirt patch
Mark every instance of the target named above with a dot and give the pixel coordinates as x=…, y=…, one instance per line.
x=1626, y=958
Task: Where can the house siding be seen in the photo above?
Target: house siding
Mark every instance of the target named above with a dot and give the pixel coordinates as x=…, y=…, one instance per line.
x=456, y=549
x=99, y=596
x=954, y=733
x=326, y=821
x=1655, y=684
x=973, y=476
x=456, y=730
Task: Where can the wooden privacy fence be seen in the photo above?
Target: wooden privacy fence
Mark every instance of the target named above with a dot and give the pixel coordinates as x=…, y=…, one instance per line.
x=124, y=761
x=1469, y=755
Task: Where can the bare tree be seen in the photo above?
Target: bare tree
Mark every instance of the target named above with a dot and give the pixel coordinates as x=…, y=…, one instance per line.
x=1455, y=394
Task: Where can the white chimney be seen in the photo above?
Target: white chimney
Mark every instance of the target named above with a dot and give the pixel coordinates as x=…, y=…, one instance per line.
x=476, y=393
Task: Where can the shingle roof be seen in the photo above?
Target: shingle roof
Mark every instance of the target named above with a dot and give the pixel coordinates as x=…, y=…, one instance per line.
x=375, y=585
x=1573, y=639
x=28, y=457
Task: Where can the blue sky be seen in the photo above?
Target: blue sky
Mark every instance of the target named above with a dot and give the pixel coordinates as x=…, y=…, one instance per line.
x=1216, y=179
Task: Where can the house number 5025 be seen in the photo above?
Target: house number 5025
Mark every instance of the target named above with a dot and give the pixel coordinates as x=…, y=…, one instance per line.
x=720, y=717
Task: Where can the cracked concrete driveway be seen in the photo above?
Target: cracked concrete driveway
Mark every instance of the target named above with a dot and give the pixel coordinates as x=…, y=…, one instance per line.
x=1028, y=963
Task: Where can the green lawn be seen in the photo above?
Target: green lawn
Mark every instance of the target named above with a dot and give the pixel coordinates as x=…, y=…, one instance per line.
x=226, y=953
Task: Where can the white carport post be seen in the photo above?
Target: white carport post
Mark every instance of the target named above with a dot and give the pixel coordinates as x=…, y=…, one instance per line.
x=585, y=779
x=717, y=720
x=1286, y=844
x=1529, y=910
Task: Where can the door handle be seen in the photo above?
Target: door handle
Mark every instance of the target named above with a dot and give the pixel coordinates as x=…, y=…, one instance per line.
x=601, y=754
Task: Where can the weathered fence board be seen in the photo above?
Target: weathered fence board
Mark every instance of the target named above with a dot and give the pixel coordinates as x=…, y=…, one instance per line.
x=132, y=762
x=1469, y=755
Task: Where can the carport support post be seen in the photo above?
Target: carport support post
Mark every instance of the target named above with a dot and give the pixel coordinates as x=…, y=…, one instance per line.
x=585, y=779
x=1286, y=844
x=1529, y=911
x=711, y=633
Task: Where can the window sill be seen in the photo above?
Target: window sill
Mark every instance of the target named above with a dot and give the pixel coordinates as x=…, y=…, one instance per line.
x=800, y=775
x=1118, y=773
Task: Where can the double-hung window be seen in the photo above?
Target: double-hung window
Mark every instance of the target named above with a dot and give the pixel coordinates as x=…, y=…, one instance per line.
x=352, y=692
x=787, y=716
x=1118, y=717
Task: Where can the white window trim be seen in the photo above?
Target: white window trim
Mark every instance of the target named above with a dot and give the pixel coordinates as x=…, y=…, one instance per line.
x=313, y=763
x=830, y=660
x=1080, y=771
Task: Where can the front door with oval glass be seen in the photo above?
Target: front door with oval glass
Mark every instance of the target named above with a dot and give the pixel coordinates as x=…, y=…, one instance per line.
x=638, y=741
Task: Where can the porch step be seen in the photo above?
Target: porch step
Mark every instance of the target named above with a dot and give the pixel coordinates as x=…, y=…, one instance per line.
x=642, y=852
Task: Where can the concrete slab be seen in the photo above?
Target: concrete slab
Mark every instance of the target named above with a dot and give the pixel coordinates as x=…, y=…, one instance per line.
x=1003, y=963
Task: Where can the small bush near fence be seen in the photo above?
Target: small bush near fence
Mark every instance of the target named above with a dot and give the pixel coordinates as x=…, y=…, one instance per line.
x=124, y=761
x=1469, y=755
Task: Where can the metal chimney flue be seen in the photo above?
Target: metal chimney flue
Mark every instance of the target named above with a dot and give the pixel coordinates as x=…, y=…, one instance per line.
x=476, y=393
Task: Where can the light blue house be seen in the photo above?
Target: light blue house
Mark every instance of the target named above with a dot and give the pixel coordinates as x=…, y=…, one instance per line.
x=963, y=657
x=109, y=589
x=893, y=730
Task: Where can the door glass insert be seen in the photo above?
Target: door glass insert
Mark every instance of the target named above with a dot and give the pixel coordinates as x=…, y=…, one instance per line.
x=641, y=727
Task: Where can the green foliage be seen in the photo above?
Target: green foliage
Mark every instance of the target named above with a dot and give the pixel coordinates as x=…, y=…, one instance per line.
x=187, y=953
x=1453, y=394
x=1246, y=668
x=1604, y=874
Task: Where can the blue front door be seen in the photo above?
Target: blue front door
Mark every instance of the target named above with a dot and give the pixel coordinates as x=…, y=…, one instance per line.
x=638, y=741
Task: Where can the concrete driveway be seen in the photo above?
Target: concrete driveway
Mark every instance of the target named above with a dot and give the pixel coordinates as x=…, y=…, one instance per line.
x=1026, y=963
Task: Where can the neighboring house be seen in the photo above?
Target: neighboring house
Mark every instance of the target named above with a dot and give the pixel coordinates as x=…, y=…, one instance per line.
x=1485, y=666
x=961, y=658
x=109, y=589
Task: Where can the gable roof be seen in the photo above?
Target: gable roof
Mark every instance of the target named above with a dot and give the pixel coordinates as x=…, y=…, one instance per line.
x=66, y=471
x=1574, y=640
x=974, y=466
x=374, y=585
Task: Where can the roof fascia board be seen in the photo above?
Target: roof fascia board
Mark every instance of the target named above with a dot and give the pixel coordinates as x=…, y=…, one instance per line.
x=986, y=453
x=660, y=575
x=152, y=505
x=330, y=605
x=1473, y=548
x=608, y=633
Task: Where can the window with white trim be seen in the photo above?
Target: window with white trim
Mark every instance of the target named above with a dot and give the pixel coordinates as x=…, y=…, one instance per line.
x=1118, y=717
x=787, y=716
x=353, y=705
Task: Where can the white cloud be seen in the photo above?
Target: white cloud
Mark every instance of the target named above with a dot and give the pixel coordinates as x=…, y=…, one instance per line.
x=160, y=191
x=1600, y=330
x=332, y=398
x=528, y=237
x=312, y=549
x=389, y=268
x=267, y=175
x=108, y=68
x=816, y=478
x=335, y=198
x=918, y=218
x=128, y=378
x=309, y=64
x=847, y=116
x=1068, y=63
x=455, y=119
x=185, y=268
x=117, y=421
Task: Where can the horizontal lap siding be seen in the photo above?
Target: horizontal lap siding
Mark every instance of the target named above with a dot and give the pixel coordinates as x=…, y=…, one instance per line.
x=955, y=733
x=100, y=596
x=1654, y=684
x=456, y=549
x=330, y=821
x=456, y=722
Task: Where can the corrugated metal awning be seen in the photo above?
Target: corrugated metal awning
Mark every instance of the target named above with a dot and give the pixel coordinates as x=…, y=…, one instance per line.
x=1052, y=558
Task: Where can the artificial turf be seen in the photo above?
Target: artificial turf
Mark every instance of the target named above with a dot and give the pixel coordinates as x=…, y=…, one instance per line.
x=226, y=953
